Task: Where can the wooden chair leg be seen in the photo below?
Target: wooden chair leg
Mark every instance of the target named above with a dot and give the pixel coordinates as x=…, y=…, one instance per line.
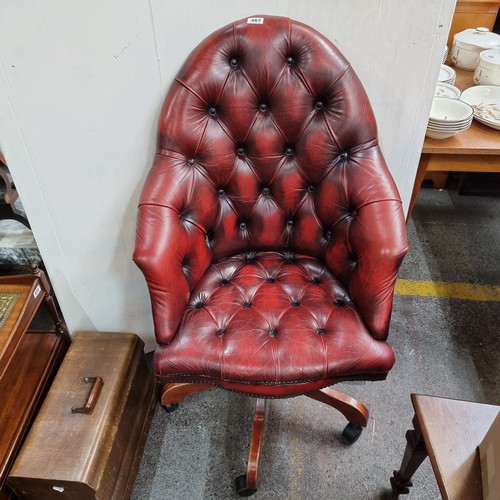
x=352, y=409
x=355, y=411
x=173, y=394
x=246, y=485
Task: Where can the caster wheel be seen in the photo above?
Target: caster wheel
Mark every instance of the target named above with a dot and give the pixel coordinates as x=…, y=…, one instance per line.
x=241, y=486
x=351, y=433
x=170, y=407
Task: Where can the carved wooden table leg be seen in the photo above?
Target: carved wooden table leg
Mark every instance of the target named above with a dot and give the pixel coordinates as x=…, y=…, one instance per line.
x=414, y=455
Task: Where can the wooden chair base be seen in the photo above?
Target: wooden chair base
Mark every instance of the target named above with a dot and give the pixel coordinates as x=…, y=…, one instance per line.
x=354, y=411
x=175, y=393
x=246, y=485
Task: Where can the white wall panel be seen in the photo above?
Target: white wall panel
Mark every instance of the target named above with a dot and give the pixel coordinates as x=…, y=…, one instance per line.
x=81, y=89
x=395, y=47
x=181, y=26
x=81, y=85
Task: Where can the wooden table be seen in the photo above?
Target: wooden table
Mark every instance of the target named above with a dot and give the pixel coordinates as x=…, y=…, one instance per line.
x=448, y=431
x=474, y=150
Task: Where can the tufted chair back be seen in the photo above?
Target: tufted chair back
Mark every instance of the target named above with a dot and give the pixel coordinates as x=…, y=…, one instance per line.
x=267, y=141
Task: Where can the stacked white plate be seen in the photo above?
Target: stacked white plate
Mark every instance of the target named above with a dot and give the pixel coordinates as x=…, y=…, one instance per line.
x=485, y=99
x=445, y=54
x=446, y=90
x=447, y=74
x=448, y=117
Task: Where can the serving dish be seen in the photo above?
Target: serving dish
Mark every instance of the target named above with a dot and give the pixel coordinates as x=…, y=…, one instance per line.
x=485, y=101
x=468, y=44
x=488, y=68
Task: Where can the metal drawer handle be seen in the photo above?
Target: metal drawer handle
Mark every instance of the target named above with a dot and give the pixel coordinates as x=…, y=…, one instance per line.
x=95, y=391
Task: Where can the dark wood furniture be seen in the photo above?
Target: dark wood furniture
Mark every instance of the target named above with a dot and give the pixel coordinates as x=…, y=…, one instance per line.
x=28, y=359
x=88, y=437
x=449, y=432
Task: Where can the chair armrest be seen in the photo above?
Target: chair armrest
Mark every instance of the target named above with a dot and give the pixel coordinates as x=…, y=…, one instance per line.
x=164, y=247
x=379, y=239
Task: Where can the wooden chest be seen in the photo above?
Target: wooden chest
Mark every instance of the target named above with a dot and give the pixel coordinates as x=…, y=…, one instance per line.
x=88, y=438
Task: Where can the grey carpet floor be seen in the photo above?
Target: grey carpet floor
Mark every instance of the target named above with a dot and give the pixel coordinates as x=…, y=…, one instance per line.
x=444, y=347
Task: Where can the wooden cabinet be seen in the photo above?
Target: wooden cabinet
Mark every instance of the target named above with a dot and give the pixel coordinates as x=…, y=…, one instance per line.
x=28, y=359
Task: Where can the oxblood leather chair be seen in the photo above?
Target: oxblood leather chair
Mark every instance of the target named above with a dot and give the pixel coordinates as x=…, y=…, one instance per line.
x=270, y=231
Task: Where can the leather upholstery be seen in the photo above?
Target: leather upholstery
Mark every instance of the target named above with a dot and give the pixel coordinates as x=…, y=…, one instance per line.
x=270, y=231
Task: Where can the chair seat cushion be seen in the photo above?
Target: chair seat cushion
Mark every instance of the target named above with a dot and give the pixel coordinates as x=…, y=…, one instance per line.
x=271, y=318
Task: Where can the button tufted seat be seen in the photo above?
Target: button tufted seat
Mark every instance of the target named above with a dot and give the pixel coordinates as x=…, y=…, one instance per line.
x=257, y=317
x=270, y=231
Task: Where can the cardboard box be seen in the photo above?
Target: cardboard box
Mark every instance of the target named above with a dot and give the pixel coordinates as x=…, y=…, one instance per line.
x=489, y=453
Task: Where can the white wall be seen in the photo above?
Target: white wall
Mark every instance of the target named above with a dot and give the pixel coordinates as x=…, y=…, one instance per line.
x=81, y=85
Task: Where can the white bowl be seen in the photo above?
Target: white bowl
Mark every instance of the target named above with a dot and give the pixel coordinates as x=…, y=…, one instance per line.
x=458, y=128
x=439, y=135
x=449, y=124
x=444, y=133
x=444, y=110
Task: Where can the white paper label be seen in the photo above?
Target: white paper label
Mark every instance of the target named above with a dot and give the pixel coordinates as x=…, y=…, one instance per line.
x=255, y=20
x=37, y=291
x=60, y=489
